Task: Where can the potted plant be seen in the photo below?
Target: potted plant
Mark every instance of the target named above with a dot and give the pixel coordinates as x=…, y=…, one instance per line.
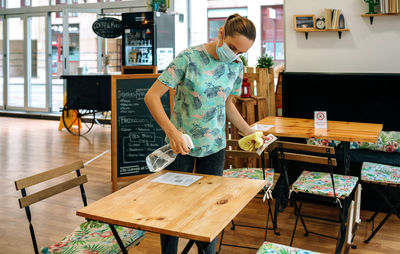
x=267, y=87
x=265, y=61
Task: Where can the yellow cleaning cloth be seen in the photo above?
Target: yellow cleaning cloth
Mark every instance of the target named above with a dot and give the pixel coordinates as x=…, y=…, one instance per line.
x=252, y=142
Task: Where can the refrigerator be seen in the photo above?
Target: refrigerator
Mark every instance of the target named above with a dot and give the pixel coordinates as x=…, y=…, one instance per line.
x=148, y=39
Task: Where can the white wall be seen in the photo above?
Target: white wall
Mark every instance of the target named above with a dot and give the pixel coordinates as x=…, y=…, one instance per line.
x=198, y=22
x=365, y=48
x=181, y=28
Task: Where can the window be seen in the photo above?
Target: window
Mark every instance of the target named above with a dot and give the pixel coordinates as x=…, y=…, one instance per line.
x=272, y=24
x=217, y=17
x=213, y=27
x=66, y=1
x=70, y=14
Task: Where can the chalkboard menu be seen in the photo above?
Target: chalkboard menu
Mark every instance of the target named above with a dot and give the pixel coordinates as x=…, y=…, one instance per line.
x=135, y=132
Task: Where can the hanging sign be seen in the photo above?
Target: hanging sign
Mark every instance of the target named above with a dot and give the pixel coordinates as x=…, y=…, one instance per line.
x=107, y=27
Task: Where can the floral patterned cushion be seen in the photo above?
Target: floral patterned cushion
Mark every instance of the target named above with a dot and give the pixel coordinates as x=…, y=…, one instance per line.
x=320, y=183
x=274, y=248
x=388, y=141
x=94, y=237
x=380, y=173
x=251, y=173
x=322, y=142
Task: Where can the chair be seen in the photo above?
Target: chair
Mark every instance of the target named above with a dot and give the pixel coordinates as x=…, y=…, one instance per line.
x=90, y=236
x=268, y=247
x=139, y=69
x=316, y=185
x=385, y=177
x=232, y=154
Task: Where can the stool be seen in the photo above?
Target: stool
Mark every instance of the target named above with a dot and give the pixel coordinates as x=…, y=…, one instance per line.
x=389, y=177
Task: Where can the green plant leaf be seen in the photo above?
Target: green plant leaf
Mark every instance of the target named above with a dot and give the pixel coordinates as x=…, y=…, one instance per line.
x=265, y=61
x=244, y=60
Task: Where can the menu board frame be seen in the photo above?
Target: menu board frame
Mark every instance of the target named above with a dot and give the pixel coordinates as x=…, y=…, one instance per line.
x=115, y=146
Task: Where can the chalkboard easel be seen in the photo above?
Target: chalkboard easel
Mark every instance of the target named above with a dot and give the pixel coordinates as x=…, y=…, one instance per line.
x=134, y=132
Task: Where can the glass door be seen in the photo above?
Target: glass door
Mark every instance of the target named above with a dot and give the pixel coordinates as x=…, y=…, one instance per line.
x=57, y=60
x=37, y=63
x=39, y=49
x=16, y=66
x=84, y=44
x=74, y=45
x=26, y=63
x=1, y=64
x=138, y=45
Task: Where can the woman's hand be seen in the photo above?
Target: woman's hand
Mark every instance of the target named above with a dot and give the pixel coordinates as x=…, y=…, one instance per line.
x=264, y=137
x=178, y=143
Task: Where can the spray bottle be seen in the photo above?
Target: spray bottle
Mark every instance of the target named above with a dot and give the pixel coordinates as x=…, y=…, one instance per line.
x=163, y=156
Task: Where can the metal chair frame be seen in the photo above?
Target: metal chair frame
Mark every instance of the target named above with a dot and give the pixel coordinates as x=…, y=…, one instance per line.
x=341, y=203
x=26, y=200
x=269, y=215
x=387, y=201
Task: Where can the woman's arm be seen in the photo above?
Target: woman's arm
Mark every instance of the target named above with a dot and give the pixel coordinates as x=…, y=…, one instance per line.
x=153, y=102
x=235, y=118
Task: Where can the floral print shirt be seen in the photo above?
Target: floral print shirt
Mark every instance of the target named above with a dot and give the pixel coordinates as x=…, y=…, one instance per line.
x=202, y=84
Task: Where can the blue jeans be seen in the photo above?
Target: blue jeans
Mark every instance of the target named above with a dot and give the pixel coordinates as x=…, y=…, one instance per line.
x=211, y=165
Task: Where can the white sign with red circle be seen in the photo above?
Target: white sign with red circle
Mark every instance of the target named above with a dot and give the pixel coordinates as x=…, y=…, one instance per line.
x=320, y=121
x=269, y=139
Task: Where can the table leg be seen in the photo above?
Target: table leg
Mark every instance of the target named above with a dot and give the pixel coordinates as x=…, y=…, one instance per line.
x=346, y=157
x=165, y=243
x=115, y=233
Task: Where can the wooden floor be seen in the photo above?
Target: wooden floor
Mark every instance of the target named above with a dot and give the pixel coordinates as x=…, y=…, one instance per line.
x=30, y=146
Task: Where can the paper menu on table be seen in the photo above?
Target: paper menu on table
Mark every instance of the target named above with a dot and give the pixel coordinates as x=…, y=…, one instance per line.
x=176, y=179
x=261, y=127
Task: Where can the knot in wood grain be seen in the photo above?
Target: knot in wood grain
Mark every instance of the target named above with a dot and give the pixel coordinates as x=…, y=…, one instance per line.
x=222, y=201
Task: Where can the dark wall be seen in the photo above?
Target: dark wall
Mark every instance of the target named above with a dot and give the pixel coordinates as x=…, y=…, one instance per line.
x=355, y=97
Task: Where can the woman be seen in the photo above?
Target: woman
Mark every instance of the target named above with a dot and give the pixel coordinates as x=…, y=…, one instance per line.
x=205, y=79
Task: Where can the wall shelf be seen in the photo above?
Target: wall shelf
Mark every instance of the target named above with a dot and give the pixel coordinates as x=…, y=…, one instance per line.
x=339, y=31
x=371, y=16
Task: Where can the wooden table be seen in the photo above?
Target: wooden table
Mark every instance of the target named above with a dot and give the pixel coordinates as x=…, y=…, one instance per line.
x=337, y=130
x=198, y=212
